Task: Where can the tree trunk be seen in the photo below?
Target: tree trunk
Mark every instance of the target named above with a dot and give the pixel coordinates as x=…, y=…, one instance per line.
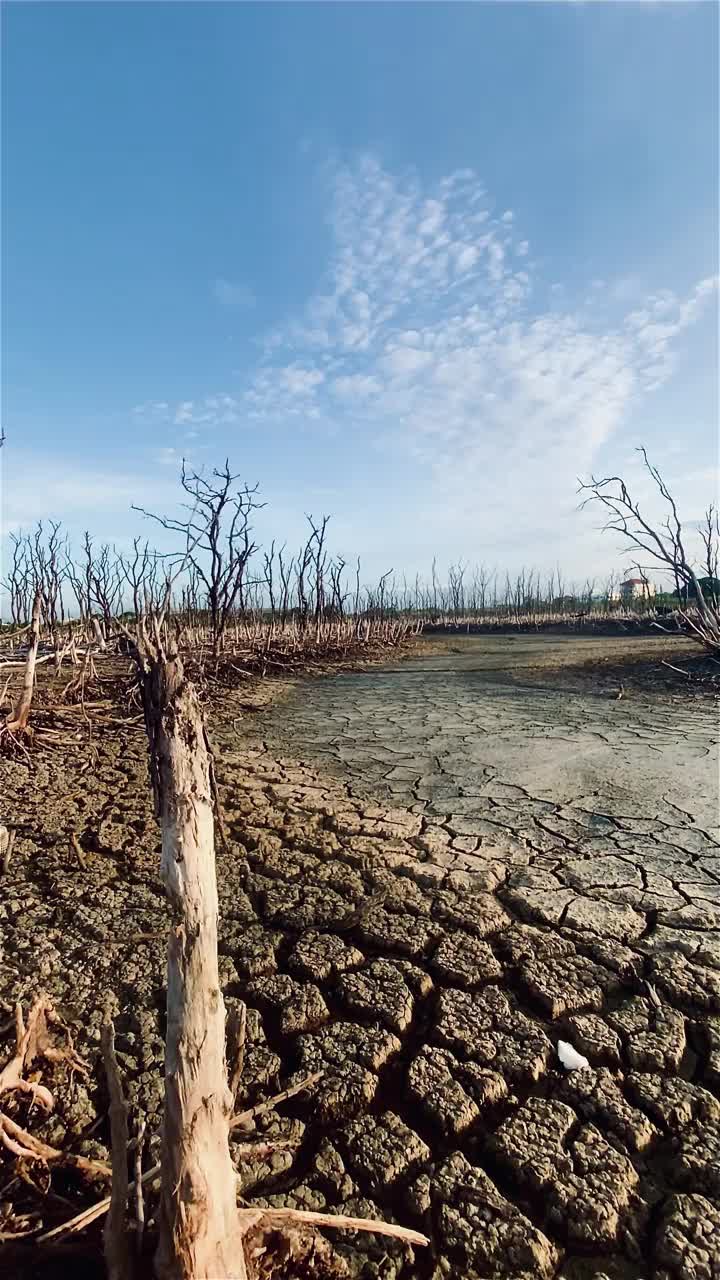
x=199, y=1228
x=99, y=637
x=21, y=712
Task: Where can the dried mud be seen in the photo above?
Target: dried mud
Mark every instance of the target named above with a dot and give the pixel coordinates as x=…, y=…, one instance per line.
x=432, y=876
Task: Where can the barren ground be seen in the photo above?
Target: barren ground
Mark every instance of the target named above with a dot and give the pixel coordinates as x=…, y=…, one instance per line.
x=436, y=870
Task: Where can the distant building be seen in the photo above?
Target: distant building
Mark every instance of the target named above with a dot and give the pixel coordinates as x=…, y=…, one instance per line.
x=636, y=589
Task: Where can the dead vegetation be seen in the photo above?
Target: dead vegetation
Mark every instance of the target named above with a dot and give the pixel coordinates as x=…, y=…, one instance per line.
x=198, y=611
x=666, y=547
x=201, y=1232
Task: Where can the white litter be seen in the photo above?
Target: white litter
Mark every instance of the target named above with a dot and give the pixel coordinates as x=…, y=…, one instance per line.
x=570, y=1058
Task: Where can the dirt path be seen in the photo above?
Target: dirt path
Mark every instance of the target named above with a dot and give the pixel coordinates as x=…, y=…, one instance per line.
x=427, y=957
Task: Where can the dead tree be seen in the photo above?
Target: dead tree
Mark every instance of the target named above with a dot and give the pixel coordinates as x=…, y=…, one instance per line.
x=339, y=596
x=218, y=541
x=199, y=1228
x=304, y=562
x=710, y=535
x=139, y=571
x=318, y=557
x=18, y=719
x=18, y=583
x=106, y=585
x=665, y=545
x=269, y=562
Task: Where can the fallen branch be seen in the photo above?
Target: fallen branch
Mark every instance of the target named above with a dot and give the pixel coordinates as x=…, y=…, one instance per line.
x=269, y=1218
x=88, y=1216
x=678, y=669
x=244, y=1118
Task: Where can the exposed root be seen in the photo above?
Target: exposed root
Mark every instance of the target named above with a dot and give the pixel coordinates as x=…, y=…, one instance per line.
x=32, y=1042
x=26, y=1146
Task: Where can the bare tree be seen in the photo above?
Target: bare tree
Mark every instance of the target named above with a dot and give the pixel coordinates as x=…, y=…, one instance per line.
x=318, y=558
x=47, y=556
x=665, y=545
x=19, y=582
x=710, y=535
x=140, y=572
x=218, y=541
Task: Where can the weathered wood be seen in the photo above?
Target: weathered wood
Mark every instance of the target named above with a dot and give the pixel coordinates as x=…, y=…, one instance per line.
x=21, y=713
x=199, y=1228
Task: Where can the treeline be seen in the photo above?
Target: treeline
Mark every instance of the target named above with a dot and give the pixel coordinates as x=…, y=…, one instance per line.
x=218, y=574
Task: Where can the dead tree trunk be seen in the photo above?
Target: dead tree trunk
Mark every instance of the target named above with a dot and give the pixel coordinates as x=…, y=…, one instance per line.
x=21, y=713
x=199, y=1228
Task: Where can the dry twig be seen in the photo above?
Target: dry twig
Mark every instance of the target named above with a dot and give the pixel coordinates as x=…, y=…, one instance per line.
x=245, y=1118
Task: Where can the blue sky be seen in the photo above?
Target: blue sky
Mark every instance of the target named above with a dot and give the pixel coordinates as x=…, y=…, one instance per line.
x=415, y=266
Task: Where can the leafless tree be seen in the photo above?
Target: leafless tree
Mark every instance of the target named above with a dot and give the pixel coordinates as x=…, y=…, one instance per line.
x=48, y=552
x=339, y=595
x=710, y=535
x=318, y=559
x=218, y=541
x=140, y=572
x=19, y=582
x=664, y=544
x=103, y=582
x=285, y=571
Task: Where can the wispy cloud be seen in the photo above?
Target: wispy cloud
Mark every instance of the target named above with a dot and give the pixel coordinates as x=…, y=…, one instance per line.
x=219, y=409
x=438, y=336
x=41, y=487
x=436, y=328
x=232, y=293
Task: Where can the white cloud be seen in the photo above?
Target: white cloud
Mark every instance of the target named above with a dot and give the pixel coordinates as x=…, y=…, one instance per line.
x=213, y=410
x=434, y=332
x=169, y=457
x=298, y=381
x=38, y=487
x=355, y=385
x=403, y=362
x=151, y=409
x=425, y=321
x=184, y=413
x=233, y=294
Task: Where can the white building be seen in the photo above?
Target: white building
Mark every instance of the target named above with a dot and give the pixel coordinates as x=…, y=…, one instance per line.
x=636, y=589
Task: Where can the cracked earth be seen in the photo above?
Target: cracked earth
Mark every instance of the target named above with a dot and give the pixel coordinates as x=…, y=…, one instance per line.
x=434, y=874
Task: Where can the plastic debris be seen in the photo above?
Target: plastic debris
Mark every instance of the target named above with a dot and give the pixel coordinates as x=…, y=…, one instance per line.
x=570, y=1058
